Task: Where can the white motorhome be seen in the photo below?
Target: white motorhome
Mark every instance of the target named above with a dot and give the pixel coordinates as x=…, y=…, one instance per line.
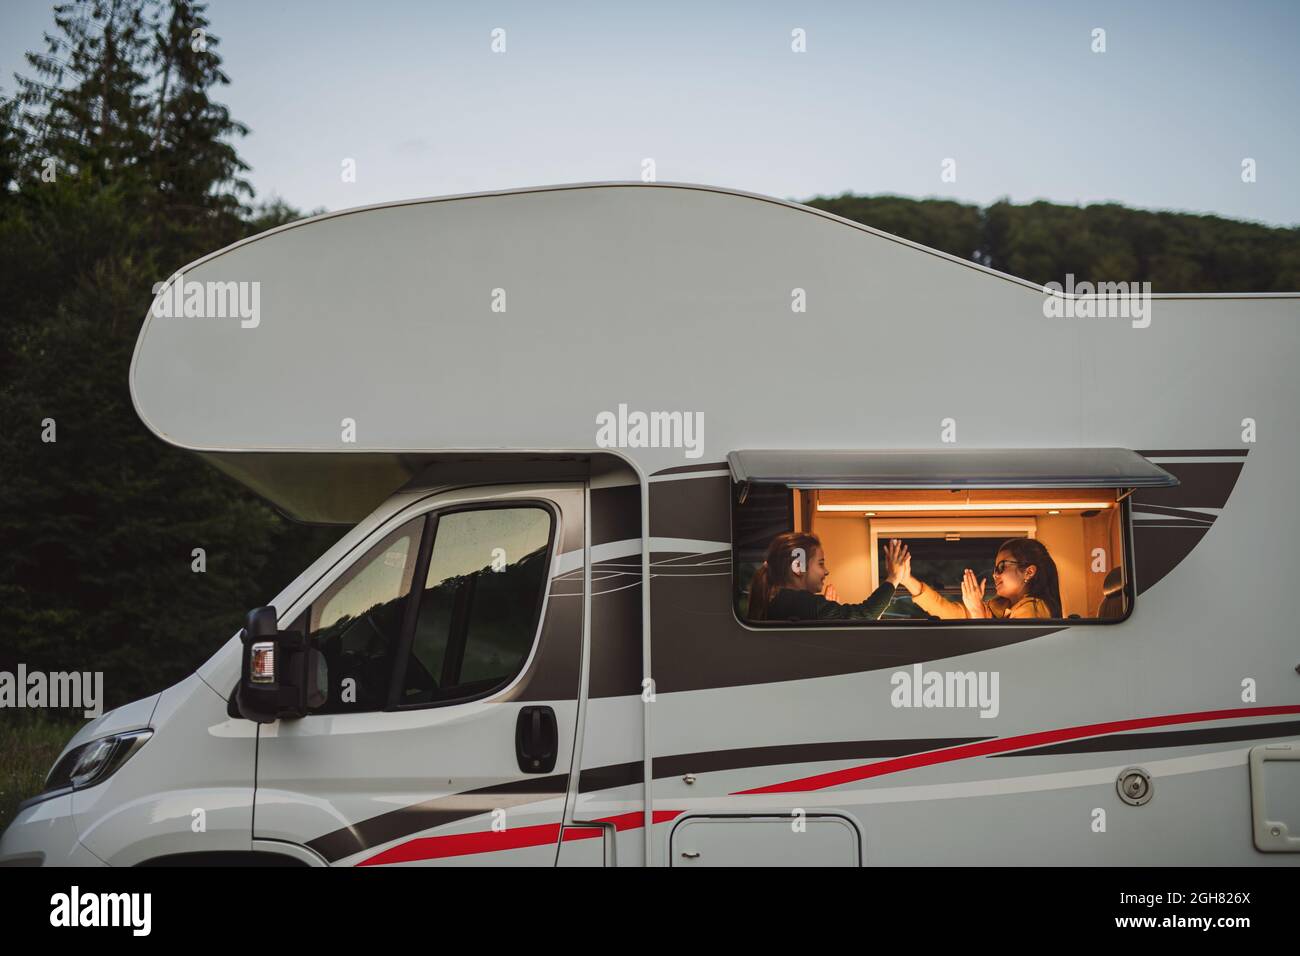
x=568, y=423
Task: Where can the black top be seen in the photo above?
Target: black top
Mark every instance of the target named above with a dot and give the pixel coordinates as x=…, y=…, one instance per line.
x=792, y=605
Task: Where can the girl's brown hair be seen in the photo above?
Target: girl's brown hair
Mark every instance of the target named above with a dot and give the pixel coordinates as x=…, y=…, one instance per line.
x=1045, y=584
x=778, y=570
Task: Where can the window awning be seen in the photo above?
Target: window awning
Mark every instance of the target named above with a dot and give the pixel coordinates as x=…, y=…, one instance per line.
x=953, y=468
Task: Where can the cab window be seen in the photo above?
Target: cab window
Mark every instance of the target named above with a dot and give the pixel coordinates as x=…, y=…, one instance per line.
x=357, y=622
x=480, y=603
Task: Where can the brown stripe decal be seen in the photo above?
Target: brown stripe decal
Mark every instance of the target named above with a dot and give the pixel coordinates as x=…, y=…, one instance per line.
x=1169, y=738
x=1201, y=485
x=699, y=509
x=1198, y=516
x=710, y=761
x=616, y=641
x=615, y=514
x=684, y=469
x=699, y=644
x=437, y=812
x=443, y=810
x=1161, y=545
x=553, y=673
x=1198, y=453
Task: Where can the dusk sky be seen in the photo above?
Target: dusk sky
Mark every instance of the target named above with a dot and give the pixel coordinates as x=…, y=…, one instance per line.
x=713, y=93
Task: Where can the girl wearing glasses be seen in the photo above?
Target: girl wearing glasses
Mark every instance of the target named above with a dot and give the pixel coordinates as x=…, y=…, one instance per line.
x=1024, y=577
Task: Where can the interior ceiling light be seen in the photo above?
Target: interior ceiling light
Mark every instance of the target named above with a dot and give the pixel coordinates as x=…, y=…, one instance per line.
x=972, y=506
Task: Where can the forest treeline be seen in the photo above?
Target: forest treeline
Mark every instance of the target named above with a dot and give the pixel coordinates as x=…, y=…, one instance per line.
x=1106, y=242
x=117, y=166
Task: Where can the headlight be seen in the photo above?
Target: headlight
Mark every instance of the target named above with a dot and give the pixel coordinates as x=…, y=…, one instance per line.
x=94, y=762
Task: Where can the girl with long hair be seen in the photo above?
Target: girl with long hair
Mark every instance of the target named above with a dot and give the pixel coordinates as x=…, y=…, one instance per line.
x=792, y=585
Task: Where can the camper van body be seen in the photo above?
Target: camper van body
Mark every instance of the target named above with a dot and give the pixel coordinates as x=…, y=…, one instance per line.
x=620, y=374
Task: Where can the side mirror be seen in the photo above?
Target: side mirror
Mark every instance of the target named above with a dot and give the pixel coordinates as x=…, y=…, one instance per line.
x=280, y=676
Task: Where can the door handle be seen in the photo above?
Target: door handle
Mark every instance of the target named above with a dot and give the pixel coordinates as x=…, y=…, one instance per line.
x=537, y=739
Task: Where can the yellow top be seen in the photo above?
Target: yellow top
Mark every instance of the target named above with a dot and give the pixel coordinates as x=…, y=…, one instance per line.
x=931, y=602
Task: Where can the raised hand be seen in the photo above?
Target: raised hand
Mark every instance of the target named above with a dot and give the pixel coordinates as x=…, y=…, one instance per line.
x=972, y=594
x=901, y=572
x=898, y=563
x=830, y=594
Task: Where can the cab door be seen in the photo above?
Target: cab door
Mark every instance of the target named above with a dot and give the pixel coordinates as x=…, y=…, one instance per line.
x=452, y=641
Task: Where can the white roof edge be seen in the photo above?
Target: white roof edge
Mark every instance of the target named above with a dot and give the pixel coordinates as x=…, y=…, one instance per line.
x=993, y=273
x=701, y=187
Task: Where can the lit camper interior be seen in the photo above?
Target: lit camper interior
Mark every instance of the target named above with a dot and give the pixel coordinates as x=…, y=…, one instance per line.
x=953, y=511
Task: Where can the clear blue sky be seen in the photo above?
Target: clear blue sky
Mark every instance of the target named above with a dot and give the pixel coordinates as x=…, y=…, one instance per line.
x=713, y=93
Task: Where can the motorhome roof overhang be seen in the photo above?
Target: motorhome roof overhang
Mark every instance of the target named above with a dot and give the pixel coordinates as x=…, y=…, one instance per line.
x=952, y=469
x=316, y=487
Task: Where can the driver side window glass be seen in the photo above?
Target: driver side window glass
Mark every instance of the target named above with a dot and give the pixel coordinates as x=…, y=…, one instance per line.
x=357, y=622
x=480, y=604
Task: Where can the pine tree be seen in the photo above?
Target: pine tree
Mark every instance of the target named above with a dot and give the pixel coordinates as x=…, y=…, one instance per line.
x=10, y=151
x=87, y=106
x=98, y=528
x=196, y=169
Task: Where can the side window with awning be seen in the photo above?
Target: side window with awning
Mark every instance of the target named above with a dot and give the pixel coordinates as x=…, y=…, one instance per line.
x=978, y=537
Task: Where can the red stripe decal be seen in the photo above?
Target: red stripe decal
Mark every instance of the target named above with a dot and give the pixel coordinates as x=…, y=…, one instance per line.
x=461, y=844
x=492, y=841
x=1001, y=745
x=628, y=821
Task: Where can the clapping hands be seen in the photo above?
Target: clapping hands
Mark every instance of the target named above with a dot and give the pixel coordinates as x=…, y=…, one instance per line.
x=972, y=594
